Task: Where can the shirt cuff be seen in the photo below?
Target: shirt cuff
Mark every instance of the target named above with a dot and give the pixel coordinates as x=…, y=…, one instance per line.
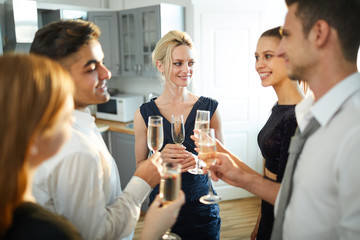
x=138, y=187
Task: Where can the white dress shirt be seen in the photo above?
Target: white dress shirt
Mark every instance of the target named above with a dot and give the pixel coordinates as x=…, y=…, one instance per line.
x=325, y=202
x=82, y=184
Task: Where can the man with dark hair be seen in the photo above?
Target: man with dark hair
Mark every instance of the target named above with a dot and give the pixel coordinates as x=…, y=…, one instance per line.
x=82, y=182
x=319, y=196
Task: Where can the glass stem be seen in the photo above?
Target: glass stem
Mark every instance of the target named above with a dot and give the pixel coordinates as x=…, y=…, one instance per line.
x=210, y=185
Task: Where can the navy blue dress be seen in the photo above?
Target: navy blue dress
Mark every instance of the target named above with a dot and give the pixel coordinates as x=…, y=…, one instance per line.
x=274, y=140
x=196, y=220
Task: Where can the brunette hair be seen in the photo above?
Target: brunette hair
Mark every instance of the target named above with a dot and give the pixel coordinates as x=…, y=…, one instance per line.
x=60, y=40
x=165, y=47
x=342, y=15
x=33, y=90
x=273, y=32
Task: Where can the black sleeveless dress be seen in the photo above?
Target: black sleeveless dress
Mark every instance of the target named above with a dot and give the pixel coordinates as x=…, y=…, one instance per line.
x=196, y=220
x=274, y=140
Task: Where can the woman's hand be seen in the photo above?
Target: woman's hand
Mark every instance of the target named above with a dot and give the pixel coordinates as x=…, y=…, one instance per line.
x=174, y=153
x=160, y=218
x=196, y=140
x=225, y=169
x=219, y=146
x=188, y=163
x=177, y=153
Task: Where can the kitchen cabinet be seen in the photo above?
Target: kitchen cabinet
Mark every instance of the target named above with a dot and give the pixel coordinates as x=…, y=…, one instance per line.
x=109, y=38
x=122, y=148
x=140, y=29
x=105, y=135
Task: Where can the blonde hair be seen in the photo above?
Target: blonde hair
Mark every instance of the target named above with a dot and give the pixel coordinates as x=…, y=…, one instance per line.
x=165, y=47
x=33, y=90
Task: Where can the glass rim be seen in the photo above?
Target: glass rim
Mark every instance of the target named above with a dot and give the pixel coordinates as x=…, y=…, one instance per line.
x=206, y=130
x=155, y=117
x=202, y=111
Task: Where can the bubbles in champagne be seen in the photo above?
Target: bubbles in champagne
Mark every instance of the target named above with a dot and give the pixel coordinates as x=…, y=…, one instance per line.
x=155, y=137
x=170, y=186
x=207, y=153
x=178, y=132
x=199, y=125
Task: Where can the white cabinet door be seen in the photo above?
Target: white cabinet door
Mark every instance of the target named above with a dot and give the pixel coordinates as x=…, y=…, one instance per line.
x=109, y=38
x=123, y=151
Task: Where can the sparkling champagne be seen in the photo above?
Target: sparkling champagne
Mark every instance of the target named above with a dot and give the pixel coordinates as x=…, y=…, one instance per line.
x=155, y=137
x=170, y=186
x=207, y=153
x=178, y=132
x=199, y=125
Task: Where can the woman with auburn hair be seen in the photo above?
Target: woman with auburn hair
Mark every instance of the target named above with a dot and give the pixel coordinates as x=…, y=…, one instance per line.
x=33, y=128
x=37, y=103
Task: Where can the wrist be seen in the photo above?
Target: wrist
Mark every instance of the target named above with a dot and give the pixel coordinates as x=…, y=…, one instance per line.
x=149, y=234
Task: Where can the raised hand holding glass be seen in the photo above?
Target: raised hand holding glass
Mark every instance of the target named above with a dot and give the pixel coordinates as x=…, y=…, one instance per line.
x=170, y=186
x=207, y=153
x=202, y=121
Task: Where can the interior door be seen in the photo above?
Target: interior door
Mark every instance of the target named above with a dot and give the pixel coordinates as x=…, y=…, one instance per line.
x=227, y=73
x=226, y=34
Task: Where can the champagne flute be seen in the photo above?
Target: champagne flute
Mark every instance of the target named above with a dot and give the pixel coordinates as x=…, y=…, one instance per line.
x=207, y=153
x=202, y=121
x=155, y=133
x=177, y=128
x=170, y=185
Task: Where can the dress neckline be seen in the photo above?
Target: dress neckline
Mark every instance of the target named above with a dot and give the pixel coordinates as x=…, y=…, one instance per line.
x=190, y=113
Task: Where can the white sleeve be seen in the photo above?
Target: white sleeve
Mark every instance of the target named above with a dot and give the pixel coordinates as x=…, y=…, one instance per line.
x=348, y=179
x=77, y=191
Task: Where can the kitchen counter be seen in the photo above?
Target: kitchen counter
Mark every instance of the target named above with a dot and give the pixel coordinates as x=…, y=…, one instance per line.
x=106, y=125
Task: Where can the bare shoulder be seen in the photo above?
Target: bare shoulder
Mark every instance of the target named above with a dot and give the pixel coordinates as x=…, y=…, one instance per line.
x=139, y=123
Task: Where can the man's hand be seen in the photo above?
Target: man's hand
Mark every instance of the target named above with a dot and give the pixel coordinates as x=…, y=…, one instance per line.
x=149, y=169
x=160, y=218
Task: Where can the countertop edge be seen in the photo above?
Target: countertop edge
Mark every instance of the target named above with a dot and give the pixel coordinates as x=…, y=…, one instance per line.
x=121, y=127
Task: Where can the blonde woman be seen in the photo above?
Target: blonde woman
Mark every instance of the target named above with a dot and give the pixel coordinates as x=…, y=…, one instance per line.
x=174, y=57
x=36, y=102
